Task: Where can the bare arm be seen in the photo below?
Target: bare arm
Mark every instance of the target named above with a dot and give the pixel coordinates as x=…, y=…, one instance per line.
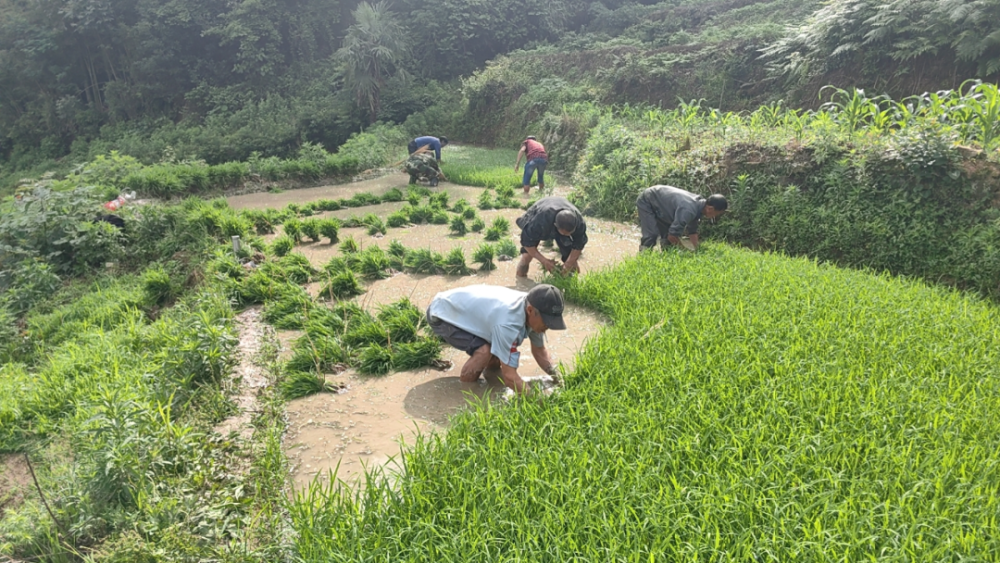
x=534, y=253
x=512, y=380
x=541, y=355
x=694, y=240
x=570, y=265
x=520, y=153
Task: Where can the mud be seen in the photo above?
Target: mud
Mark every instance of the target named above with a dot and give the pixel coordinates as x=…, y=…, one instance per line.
x=249, y=377
x=15, y=481
x=368, y=423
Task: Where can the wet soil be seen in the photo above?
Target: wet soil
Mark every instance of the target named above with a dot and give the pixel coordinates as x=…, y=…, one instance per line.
x=368, y=423
x=15, y=481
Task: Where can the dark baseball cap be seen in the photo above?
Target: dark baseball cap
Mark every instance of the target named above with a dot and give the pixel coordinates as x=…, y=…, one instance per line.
x=549, y=302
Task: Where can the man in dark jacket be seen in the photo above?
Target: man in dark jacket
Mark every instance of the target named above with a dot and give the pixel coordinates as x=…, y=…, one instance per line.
x=552, y=218
x=670, y=213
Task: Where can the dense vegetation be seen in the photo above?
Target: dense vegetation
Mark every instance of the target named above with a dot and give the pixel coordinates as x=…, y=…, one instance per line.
x=742, y=406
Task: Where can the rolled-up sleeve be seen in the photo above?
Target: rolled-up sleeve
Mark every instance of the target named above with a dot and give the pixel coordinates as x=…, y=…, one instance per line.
x=686, y=218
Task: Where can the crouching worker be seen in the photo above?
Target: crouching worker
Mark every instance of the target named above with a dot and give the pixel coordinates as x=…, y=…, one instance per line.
x=552, y=218
x=422, y=165
x=669, y=213
x=490, y=323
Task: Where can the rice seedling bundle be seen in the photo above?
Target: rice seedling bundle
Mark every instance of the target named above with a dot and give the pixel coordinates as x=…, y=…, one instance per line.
x=310, y=229
x=341, y=286
x=457, y=226
x=484, y=255
x=423, y=261
x=454, y=263
x=477, y=225
x=329, y=228
x=349, y=245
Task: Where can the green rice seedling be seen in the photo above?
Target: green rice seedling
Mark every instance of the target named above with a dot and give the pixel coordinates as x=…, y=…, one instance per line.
x=327, y=204
x=294, y=208
x=460, y=206
x=375, y=360
x=469, y=213
x=415, y=355
x=413, y=199
x=439, y=201
x=310, y=229
x=418, y=191
x=423, y=261
x=330, y=228
x=396, y=248
x=289, y=311
x=375, y=225
x=420, y=214
x=341, y=286
x=336, y=265
x=157, y=287
x=353, y=222
x=401, y=319
x=297, y=268
x=316, y=355
x=502, y=225
x=349, y=245
x=457, y=226
x=505, y=198
x=293, y=229
x=484, y=255
x=298, y=384
x=507, y=247
x=364, y=334
x=352, y=313
x=439, y=218
x=362, y=199
x=393, y=194
x=454, y=263
x=485, y=201
x=373, y=263
x=493, y=234
x=477, y=225
x=397, y=219
x=308, y=209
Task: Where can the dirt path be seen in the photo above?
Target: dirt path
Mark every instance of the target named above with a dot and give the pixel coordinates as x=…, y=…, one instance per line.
x=369, y=423
x=249, y=377
x=15, y=481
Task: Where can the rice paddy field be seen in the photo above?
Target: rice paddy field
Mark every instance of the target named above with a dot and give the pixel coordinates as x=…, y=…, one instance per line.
x=741, y=407
x=476, y=166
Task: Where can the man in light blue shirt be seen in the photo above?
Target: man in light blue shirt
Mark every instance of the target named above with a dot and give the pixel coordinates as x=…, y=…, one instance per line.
x=489, y=323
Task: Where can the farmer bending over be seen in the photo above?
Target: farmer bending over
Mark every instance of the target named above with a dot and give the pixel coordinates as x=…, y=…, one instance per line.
x=489, y=323
x=422, y=165
x=552, y=218
x=535, y=159
x=427, y=143
x=670, y=213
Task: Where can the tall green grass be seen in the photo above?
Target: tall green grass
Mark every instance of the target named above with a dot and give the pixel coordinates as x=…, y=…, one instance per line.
x=741, y=407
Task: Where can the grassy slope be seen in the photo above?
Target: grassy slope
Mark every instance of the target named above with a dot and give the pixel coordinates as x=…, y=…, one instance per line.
x=742, y=405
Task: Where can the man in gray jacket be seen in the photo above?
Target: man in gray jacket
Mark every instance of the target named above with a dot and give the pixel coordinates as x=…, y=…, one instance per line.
x=670, y=213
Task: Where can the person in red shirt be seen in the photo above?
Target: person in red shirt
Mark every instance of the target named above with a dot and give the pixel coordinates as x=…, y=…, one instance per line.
x=535, y=159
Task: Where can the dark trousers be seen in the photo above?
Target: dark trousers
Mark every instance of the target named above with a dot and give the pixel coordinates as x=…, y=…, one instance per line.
x=454, y=336
x=651, y=225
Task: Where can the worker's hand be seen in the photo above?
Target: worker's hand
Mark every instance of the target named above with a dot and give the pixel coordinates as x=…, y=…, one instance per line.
x=549, y=265
x=569, y=267
x=517, y=167
x=674, y=240
x=694, y=240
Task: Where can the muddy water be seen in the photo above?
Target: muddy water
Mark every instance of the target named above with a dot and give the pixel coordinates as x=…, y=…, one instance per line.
x=368, y=423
